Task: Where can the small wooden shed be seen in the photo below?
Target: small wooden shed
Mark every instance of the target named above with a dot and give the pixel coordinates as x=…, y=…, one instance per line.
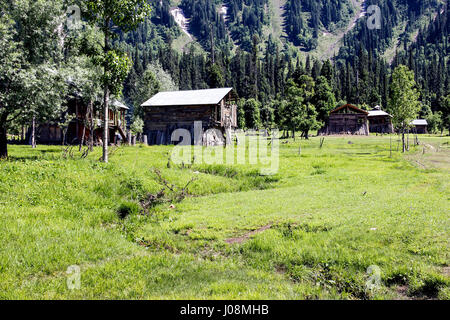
x=347, y=119
x=167, y=111
x=380, y=121
x=420, y=126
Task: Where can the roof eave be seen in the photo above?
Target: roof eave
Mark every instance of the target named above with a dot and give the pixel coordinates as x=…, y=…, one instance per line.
x=180, y=105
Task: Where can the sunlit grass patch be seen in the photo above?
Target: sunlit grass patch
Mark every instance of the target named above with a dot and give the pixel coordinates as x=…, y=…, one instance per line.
x=310, y=231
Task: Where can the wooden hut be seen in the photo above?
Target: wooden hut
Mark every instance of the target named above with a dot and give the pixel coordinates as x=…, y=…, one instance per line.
x=347, y=119
x=77, y=111
x=167, y=111
x=420, y=126
x=380, y=121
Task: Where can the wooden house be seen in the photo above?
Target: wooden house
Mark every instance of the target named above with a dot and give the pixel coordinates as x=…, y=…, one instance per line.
x=78, y=115
x=380, y=121
x=347, y=119
x=167, y=111
x=420, y=126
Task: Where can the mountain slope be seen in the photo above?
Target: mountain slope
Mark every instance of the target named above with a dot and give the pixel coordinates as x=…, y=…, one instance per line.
x=317, y=27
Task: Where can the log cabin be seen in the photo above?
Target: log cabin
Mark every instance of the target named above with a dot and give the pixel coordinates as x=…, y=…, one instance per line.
x=380, y=121
x=167, y=111
x=78, y=114
x=347, y=119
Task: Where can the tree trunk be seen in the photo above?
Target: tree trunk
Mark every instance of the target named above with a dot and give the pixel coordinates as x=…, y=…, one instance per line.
x=407, y=141
x=403, y=140
x=3, y=138
x=105, y=104
x=129, y=136
x=82, y=137
x=33, y=133
x=105, y=125
x=91, y=126
x=64, y=137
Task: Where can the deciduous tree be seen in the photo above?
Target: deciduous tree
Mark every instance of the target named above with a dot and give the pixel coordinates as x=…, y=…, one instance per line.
x=110, y=16
x=404, y=99
x=31, y=84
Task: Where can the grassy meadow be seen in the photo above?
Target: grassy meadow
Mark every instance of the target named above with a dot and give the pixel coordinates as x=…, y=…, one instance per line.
x=309, y=232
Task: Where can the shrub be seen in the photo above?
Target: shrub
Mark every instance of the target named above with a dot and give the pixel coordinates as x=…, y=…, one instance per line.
x=128, y=208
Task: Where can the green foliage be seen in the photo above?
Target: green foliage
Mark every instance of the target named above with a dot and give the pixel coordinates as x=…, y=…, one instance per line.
x=32, y=84
x=267, y=114
x=154, y=80
x=215, y=79
x=241, y=114
x=292, y=109
x=125, y=14
x=85, y=77
x=435, y=122
x=111, y=16
x=252, y=113
x=299, y=113
x=446, y=112
x=323, y=99
x=403, y=103
x=305, y=18
x=117, y=66
x=128, y=208
x=244, y=19
x=137, y=126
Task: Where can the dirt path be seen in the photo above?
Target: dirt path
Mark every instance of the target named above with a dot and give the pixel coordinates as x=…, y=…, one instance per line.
x=360, y=12
x=247, y=236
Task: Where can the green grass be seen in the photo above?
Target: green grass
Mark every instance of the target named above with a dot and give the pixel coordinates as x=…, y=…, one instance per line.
x=329, y=213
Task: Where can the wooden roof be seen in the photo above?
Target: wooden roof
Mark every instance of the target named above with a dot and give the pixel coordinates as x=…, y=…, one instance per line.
x=351, y=107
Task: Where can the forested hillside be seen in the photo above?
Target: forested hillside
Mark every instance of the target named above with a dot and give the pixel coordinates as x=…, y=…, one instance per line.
x=199, y=44
x=397, y=16
x=259, y=67
x=428, y=56
x=305, y=19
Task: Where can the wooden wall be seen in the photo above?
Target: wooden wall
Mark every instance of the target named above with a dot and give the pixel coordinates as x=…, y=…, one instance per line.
x=161, y=122
x=49, y=134
x=420, y=129
x=381, y=124
x=343, y=123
